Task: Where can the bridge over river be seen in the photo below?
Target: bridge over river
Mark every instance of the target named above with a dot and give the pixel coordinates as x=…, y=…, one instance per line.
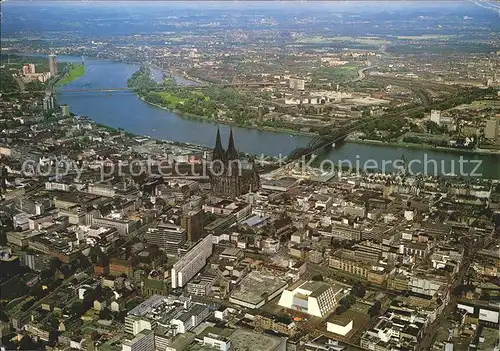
x=125, y=89
x=327, y=139
x=127, y=111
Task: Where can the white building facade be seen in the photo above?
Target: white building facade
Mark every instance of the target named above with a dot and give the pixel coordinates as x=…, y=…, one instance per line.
x=313, y=297
x=191, y=263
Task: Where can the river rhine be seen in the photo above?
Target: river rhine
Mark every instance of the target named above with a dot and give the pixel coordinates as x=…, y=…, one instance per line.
x=125, y=110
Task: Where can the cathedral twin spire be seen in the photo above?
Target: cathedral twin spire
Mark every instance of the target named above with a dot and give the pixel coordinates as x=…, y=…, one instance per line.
x=224, y=181
x=219, y=153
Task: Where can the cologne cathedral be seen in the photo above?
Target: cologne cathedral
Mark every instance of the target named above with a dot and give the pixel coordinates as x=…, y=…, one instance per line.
x=231, y=176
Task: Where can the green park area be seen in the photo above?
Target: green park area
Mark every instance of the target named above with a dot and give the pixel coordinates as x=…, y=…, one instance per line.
x=203, y=102
x=170, y=99
x=74, y=72
x=336, y=74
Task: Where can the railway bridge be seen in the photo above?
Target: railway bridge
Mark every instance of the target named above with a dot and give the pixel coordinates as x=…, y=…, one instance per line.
x=326, y=139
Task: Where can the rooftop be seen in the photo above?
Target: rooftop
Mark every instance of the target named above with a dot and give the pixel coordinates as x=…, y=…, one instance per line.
x=144, y=333
x=317, y=287
x=231, y=251
x=255, y=285
x=339, y=320
x=248, y=340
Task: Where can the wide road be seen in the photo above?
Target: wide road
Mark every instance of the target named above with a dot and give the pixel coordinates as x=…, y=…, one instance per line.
x=361, y=73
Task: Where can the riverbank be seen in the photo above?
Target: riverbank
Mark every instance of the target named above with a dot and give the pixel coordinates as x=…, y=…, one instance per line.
x=229, y=123
x=127, y=112
x=311, y=135
x=75, y=72
x=168, y=101
x=422, y=147
x=192, y=146
x=292, y=133
x=181, y=74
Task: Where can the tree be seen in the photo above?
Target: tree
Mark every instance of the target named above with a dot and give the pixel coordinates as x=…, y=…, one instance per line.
x=27, y=305
x=53, y=322
x=105, y=209
x=3, y=316
x=27, y=343
x=485, y=296
x=35, y=85
x=359, y=290
x=3, y=235
x=8, y=83
x=36, y=291
x=340, y=309
x=46, y=275
x=375, y=309
x=434, y=128
x=90, y=296
x=141, y=81
x=95, y=253
x=55, y=263
x=105, y=314
x=54, y=337
x=285, y=319
x=81, y=262
x=317, y=278
x=77, y=308
x=348, y=301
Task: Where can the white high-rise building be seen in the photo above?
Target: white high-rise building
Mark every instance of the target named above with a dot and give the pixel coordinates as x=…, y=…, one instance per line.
x=192, y=262
x=53, y=65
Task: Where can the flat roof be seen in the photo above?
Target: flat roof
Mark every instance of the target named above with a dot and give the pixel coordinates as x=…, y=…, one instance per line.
x=231, y=251
x=254, y=285
x=318, y=287
x=339, y=320
x=24, y=235
x=182, y=341
x=255, y=220
x=147, y=305
x=283, y=182
x=142, y=334
x=243, y=339
x=219, y=221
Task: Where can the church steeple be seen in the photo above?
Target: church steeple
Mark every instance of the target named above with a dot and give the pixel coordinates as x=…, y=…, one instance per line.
x=227, y=179
x=218, y=153
x=232, y=154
